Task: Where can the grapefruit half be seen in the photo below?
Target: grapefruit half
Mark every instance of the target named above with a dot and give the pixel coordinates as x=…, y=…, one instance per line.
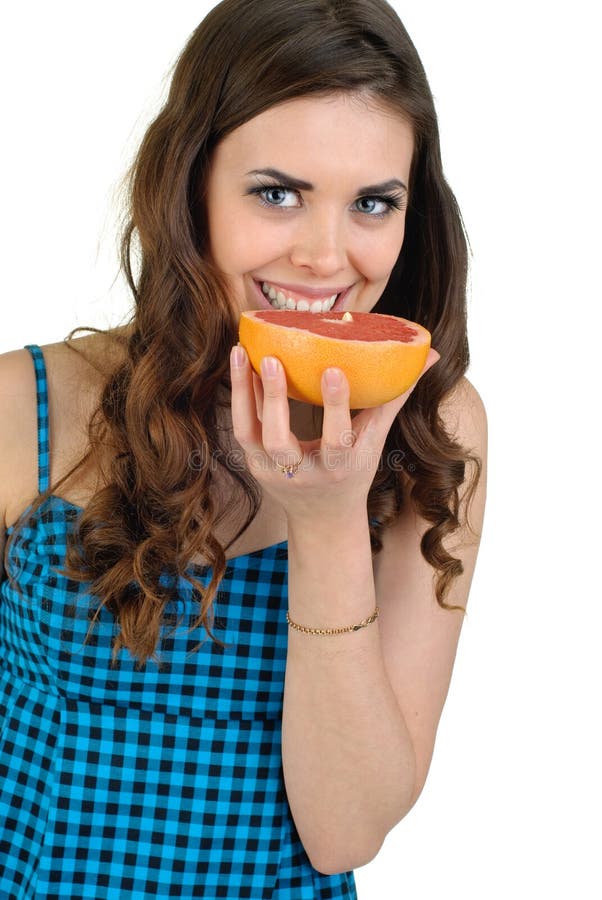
x=382, y=356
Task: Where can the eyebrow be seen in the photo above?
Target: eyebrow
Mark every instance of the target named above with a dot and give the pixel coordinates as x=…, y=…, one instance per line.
x=299, y=185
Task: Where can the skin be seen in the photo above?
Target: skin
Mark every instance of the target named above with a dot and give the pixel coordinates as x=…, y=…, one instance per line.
x=360, y=710
x=325, y=241
x=329, y=237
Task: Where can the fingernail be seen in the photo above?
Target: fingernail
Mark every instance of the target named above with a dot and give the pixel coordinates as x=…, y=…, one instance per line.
x=269, y=365
x=238, y=357
x=333, y=378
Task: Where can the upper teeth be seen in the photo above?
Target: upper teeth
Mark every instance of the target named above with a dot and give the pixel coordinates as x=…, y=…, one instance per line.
x=280, y=301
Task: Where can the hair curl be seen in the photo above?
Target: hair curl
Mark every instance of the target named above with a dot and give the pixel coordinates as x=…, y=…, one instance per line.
x=159, y=406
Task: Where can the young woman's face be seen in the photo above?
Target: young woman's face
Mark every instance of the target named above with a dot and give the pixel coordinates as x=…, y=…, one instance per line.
x=306, y=204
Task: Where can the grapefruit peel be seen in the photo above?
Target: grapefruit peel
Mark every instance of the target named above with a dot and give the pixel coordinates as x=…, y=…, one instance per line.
x=381, y=355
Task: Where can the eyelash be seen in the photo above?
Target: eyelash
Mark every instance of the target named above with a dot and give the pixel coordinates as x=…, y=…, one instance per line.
x=393, y=201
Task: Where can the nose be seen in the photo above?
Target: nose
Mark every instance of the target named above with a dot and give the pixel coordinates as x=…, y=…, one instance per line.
x=320, y=244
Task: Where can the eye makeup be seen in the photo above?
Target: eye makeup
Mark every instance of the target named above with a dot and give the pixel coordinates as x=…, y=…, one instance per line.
x=262, y=190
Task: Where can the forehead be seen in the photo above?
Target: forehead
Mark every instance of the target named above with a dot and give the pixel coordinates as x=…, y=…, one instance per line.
x=349, y=135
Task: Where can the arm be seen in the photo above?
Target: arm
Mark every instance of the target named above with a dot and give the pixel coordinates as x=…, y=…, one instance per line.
x=361, y=710
x=347, y=754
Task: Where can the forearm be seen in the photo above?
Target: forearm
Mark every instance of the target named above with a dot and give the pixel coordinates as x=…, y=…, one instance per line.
x=348, y=759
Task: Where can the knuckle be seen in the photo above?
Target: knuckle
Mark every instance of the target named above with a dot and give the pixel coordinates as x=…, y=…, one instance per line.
x=337, y=474
x=337, y=401
x=335, y=457
x=271, y=392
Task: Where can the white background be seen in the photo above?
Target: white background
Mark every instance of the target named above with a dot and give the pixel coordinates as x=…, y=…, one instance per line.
x=511, y=808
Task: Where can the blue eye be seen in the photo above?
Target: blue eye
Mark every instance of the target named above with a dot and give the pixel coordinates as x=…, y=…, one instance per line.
x=277, y=196
x=377, y=207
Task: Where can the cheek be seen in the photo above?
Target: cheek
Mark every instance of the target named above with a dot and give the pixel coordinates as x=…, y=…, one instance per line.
x=379, y=254
x=239, y=245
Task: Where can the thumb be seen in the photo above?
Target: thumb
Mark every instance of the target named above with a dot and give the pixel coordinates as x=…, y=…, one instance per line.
x=432, y=358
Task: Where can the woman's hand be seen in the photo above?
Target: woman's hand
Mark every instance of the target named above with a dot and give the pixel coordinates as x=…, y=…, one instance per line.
x=335, y=472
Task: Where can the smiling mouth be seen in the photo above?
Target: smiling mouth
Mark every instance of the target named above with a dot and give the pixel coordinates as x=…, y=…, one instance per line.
x=283, y=298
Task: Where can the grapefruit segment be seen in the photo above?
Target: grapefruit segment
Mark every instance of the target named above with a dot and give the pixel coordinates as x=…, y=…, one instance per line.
x=381, y=355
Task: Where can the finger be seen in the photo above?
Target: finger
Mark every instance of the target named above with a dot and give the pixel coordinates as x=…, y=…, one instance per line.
x=258, y=390
x=245, y=425
x=278, y=440
x=337, y=433
x=432, y=358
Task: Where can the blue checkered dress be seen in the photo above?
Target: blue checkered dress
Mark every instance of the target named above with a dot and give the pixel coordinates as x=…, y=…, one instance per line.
x=164, y=782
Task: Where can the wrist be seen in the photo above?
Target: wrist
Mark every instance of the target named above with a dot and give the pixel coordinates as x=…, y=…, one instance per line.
x=368, y=620
x=352, y=516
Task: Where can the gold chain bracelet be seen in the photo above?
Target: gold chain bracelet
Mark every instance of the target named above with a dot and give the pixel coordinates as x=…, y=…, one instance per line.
x=362, y=624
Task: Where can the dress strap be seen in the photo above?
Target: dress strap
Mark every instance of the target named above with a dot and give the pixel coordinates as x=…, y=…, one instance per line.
x=43, y=427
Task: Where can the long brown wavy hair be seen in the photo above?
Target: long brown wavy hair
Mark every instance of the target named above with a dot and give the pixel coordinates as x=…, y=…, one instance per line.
x=155, y=435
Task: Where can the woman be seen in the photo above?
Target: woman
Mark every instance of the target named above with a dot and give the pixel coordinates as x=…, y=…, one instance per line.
x=267, y=747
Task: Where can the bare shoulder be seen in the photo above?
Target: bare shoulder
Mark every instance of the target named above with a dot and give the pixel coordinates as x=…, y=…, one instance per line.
x=75, y=374
x=464, y=415
x=464, y=418
x=18, y=425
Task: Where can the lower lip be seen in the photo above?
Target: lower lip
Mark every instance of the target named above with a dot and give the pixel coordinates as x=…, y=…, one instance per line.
x=265, y=303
